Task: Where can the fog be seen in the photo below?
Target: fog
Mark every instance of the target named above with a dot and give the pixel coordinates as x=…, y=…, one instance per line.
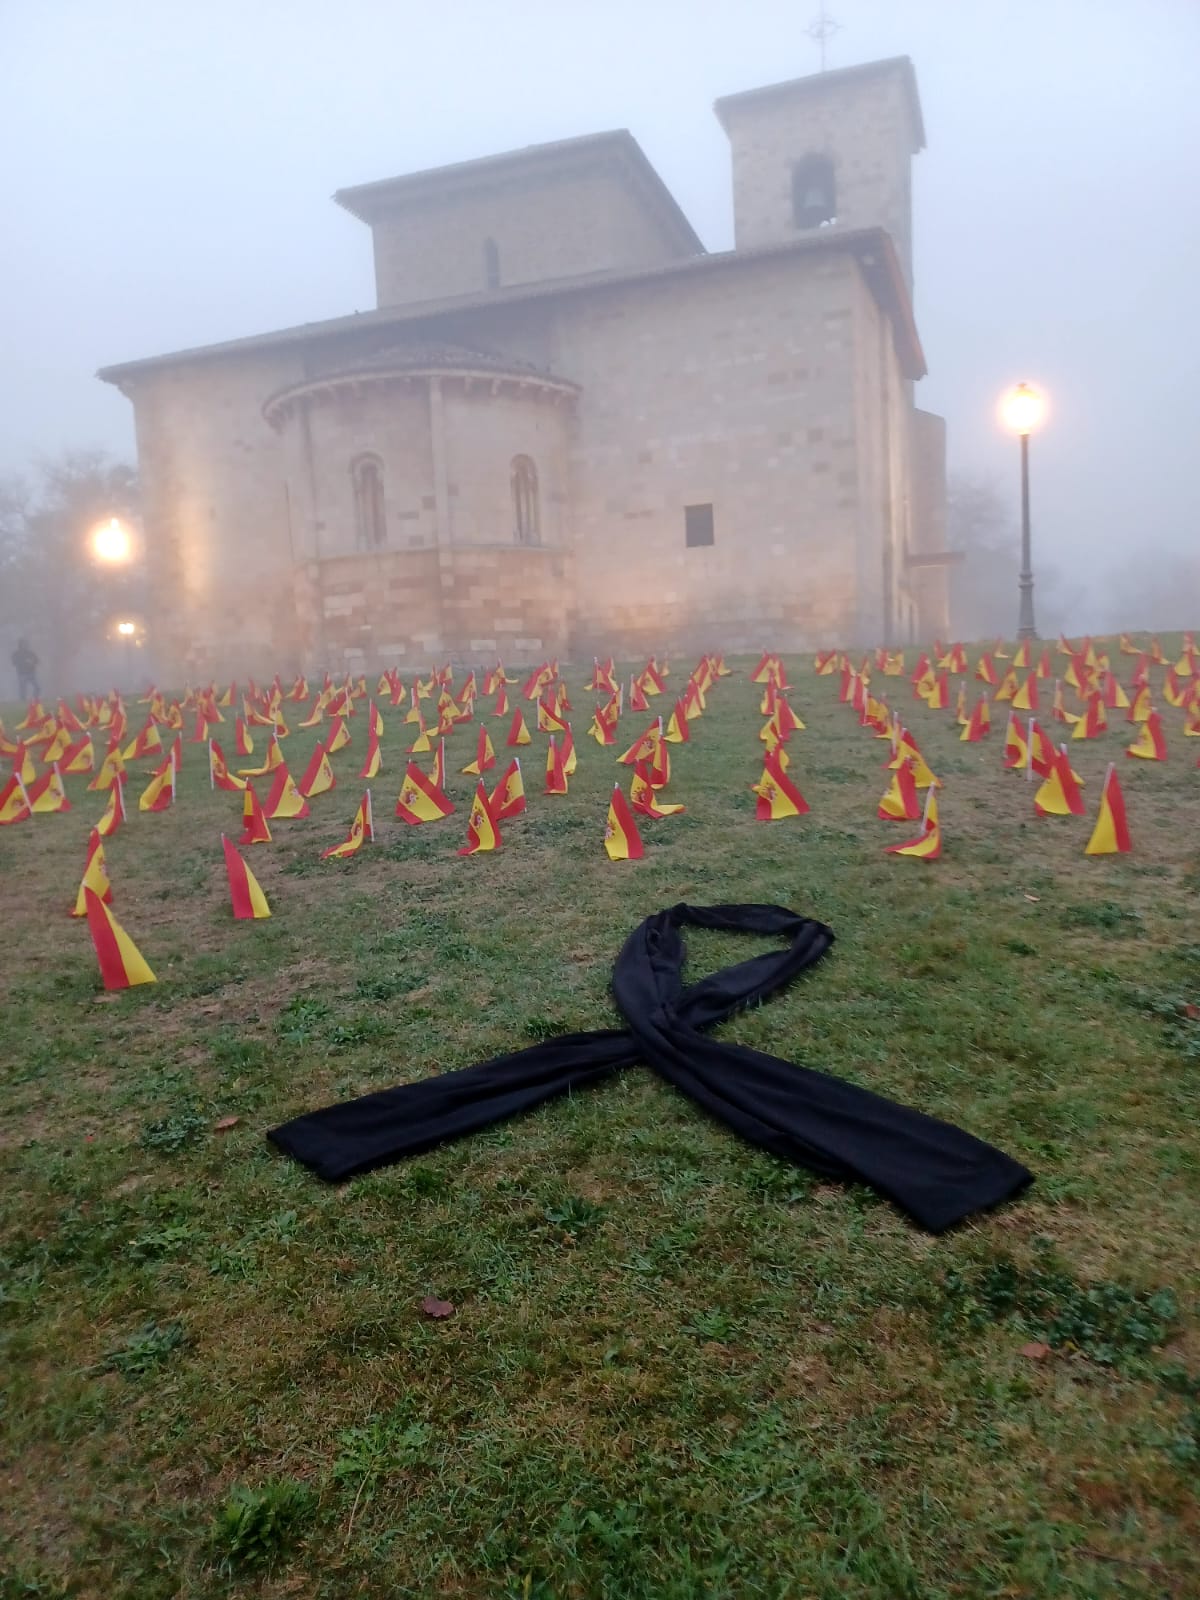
x=167, y=170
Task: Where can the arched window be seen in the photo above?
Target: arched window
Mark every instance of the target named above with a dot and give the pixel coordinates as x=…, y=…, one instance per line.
x=814, y=193
x=370, y=515
x=527, y=523
x=491, y=263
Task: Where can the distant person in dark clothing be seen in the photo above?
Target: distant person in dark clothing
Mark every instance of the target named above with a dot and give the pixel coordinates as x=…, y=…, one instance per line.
x=24, y=658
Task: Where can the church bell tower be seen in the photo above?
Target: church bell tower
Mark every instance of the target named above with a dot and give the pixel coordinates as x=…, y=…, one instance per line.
x=832, y=150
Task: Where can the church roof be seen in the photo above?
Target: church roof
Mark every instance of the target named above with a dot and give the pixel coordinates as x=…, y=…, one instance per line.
x=410, y=357
x=560, y=158
x=871, y=247
x=422, y=355
x=822, y=82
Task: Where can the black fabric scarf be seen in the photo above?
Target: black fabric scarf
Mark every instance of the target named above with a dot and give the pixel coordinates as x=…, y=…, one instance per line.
x=932, y=1170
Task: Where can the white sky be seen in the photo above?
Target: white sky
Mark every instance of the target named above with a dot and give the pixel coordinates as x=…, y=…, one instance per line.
x=166, y=170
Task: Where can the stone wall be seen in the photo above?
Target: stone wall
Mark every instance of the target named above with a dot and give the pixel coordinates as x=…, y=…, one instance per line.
x=412, y=608
x=556, y=225
x=735, y=388
x=216, y=516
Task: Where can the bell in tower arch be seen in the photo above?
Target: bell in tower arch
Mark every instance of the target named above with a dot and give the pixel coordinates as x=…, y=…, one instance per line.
x=814, y=194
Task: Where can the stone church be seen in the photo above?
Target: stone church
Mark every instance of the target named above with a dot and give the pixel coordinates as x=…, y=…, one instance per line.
x=567, y=428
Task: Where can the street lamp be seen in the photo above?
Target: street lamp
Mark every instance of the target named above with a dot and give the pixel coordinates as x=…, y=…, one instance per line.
x=112, y=543
x=1022, y=409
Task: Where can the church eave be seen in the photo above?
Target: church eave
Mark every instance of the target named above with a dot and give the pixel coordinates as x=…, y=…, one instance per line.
x=884, y=276
x=278, y=407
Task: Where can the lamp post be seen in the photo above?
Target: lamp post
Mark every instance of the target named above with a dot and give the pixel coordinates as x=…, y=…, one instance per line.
x=1022, y=409
x=112, y=543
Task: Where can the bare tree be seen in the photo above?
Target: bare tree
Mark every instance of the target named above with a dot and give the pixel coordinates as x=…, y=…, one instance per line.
x=983, y=587
x=51, y=588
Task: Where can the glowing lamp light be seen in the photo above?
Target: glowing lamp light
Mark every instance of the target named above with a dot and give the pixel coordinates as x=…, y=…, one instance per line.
x=1023, y=408
x=126, y=629
x=111, y=542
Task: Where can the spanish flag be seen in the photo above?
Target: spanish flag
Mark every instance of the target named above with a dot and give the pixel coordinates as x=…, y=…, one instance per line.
x=114, y=811
x=507, y=799
x=159, y=793
x=677, y=725
x=285, y=800
x=243, y=744
x=778, y=796
x=1059, y=795
x=569, y=759
x=374, y=720
x=14, y=801
x=1110, y=836
x=95, y=876
x=1150, y=744
x=146, y=743
x=361, y=829
x=1016, y=749
x=79, y=757
x=254, y=822
x=642, y=796
x=556, y=776
x=500, y=709
x=318, y=775
x=249, y=902
x=421, y=744
x=219, y=775
x=901, y=803
x=1142, y=705
x=122, y=964
x=374, y=756
x=548, y=720
x=482, y=832
x=1026, y=697
x=485, y=756
x=47, y=794
x=928, y=846
x=622, y=840
x=979, y=723
x=421, y=800
x=272, y=763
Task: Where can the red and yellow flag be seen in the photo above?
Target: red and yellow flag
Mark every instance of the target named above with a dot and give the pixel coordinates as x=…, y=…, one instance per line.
x=622, y=840
x=318, y=775
x=556, y=776
x=485, y=756
x=361, y=829
x=778, y=796
x=421, y=800
x=901, y=803
x=507, y=799
x=122, y=964
x=249, y=902
x=374, y=757
x=285, y=800
x=482, y=832
x=95, y=876
x=114, y=811
x=518, y=733
x=1110, y=836
x=1150, y=744
x=47, y=794
x=254, y=823
x=928, y=845
x=14, y=801
x=1059, y=795
x=643, y=799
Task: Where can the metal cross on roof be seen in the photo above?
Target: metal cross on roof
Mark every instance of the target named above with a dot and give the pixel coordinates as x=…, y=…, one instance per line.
x=821, y=31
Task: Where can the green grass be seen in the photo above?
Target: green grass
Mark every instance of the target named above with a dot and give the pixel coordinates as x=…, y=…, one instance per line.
x=676, y=1368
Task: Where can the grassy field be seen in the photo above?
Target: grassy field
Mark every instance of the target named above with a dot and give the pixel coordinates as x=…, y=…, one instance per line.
x=676, y=1368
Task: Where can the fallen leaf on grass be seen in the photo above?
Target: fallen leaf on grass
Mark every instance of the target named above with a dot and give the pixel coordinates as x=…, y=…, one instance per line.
x=226, y=1123
x=433, y=1307
x=1033, y=898
x=1035, y=1350
x=1191, y=1011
